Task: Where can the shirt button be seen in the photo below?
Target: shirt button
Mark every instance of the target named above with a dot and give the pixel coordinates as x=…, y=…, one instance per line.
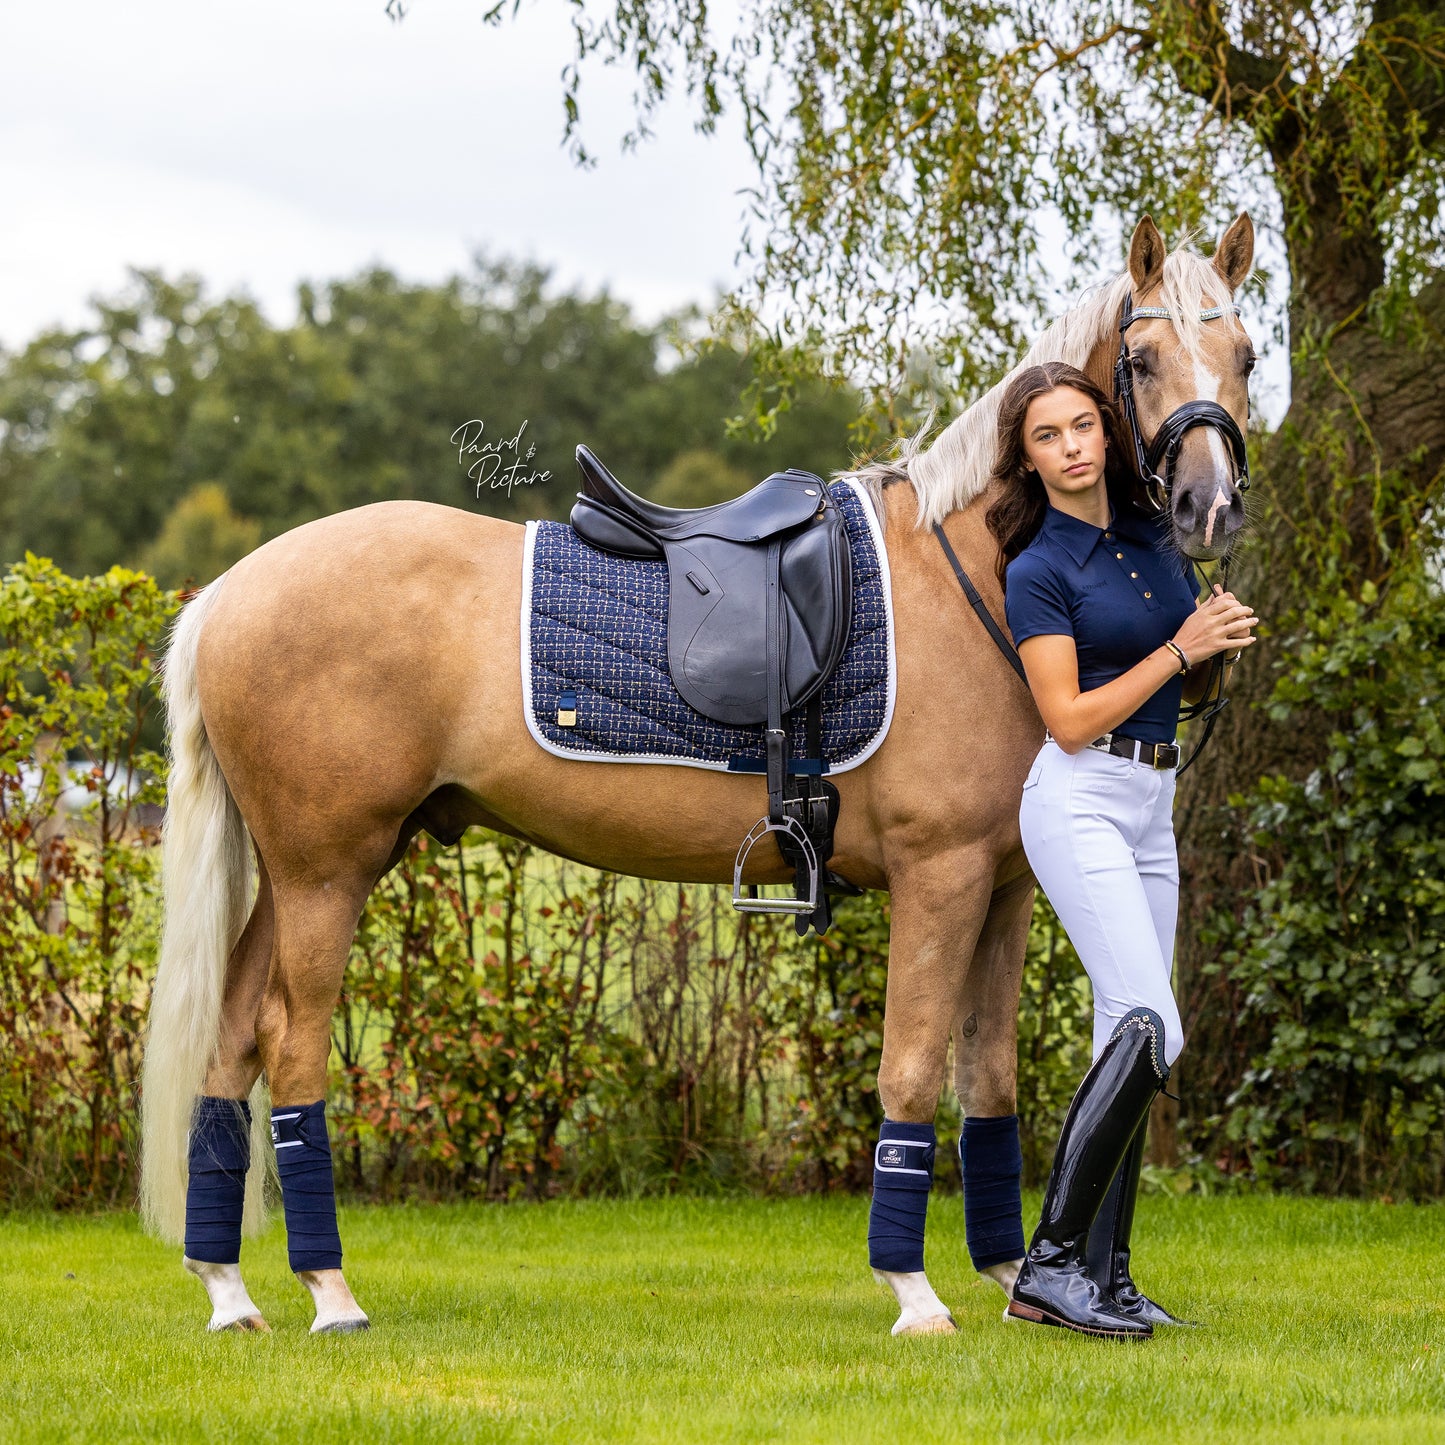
x=1108, y=536
x=1148, y=594
x=1119, y=555
x=1133, y=574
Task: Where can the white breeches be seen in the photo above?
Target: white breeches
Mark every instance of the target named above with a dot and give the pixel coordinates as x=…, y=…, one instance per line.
x=1099, y=833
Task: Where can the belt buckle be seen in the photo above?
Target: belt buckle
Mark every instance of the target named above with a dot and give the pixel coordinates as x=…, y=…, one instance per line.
x=1166, y=750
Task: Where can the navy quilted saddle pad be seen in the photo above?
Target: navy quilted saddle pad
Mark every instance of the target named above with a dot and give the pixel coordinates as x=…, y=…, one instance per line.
x=594, y=634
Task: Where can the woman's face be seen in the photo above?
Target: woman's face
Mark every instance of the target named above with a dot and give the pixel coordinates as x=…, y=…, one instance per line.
x=1064, y=441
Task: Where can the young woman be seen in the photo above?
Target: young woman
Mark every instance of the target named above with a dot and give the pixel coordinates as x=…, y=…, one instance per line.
x=1104, y=616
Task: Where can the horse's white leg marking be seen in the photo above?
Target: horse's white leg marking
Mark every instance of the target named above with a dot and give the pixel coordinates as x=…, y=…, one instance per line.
x=231, y=1306
x=1004, y=1275
x=336, y=1311
x=921, y=1311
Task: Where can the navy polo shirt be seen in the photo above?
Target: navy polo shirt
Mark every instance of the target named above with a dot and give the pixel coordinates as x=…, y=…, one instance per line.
x=1120, y=592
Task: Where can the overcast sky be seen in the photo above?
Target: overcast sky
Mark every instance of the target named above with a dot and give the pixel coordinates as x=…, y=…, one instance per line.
x=266, y=143
x=262, y=143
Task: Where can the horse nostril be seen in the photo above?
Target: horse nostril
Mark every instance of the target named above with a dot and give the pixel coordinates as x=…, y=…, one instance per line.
x=1188, y=516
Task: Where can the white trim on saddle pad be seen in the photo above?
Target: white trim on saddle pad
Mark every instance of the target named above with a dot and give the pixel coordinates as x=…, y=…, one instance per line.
x=593, y=755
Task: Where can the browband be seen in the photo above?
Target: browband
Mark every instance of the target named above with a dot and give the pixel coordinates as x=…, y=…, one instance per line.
x=1135, y=313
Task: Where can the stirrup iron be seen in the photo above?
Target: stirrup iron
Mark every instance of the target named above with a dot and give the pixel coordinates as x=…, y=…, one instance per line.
x=752, y=902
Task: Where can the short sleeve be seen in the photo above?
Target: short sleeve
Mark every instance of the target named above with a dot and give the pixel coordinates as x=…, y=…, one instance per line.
x=1034, y=600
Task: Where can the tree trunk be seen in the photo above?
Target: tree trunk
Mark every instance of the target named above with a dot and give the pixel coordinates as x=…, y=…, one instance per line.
x=1379, y=402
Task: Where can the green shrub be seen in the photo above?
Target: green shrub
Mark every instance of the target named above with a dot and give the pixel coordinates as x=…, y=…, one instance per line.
x=78, y=880
x=1340, y=953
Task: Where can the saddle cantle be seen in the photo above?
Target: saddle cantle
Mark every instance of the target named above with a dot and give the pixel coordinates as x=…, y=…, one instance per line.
x=759, y=608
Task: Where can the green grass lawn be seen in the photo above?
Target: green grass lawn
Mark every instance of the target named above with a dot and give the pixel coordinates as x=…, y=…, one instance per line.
x=689, y=1320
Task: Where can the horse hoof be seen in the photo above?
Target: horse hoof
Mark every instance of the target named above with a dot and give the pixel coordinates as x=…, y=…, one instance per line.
x=341, y=1327
x=245, y=1325
x=934, y=1325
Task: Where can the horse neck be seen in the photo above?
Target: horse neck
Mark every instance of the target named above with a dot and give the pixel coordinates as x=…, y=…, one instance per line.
x=967, y=533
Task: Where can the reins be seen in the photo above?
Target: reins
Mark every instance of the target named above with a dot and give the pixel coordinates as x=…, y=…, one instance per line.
x=1207, y=709
x=975, y=598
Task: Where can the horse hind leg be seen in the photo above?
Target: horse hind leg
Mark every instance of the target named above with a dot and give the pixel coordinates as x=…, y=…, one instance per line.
x=230, y=1079
x=315, y=923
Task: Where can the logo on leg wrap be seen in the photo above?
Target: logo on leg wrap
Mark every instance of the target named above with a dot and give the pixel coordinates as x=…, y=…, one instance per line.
x=903, y=1156
x=288, y=1130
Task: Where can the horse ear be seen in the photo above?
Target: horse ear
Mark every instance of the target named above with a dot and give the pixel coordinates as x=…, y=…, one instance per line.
x=1235, y=255
x=1146, y=256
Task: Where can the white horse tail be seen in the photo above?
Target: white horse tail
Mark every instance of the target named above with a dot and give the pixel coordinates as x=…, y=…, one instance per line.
x=206, y=876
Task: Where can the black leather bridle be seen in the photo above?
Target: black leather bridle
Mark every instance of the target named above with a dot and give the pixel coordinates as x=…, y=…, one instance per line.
x=1172, y=430
x=1156, y=470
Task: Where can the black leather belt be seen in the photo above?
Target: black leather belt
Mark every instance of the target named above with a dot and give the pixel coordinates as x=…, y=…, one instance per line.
x=1155, y=755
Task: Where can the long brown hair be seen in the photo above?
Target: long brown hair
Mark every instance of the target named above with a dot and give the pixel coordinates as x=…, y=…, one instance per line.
x=1018, y=513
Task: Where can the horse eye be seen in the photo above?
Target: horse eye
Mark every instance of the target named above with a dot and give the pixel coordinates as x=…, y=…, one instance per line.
x=1249, y=362
x=1140, y=365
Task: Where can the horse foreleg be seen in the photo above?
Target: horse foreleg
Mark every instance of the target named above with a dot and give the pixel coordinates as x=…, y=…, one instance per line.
x=985, y=1059
x=314, y=931
x=939, y=906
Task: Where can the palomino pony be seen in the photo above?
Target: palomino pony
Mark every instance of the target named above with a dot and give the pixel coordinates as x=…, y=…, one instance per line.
x=356, y=681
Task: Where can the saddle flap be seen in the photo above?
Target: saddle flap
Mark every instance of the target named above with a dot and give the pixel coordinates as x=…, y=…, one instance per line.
x=718, y=640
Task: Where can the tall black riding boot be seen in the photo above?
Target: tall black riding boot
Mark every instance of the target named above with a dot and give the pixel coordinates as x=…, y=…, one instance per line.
x=1107, y=1252
x=1054, y=1286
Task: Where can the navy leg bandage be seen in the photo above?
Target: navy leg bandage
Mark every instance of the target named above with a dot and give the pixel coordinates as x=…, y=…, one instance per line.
x=993, y=1213
x=902, y=1177
x=220, y=1154
x=303, y=1160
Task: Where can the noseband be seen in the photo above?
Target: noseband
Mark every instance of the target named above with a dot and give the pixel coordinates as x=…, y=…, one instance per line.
x=1156, y=469
x=1156, y=462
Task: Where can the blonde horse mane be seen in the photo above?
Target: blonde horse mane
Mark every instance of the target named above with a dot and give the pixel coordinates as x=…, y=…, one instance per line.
x=955, y=470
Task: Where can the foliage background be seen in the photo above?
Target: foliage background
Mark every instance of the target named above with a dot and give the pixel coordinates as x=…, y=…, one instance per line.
x=516, y=1026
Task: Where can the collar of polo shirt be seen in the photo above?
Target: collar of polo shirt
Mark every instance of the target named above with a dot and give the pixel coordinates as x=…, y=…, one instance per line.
x=1079, y=538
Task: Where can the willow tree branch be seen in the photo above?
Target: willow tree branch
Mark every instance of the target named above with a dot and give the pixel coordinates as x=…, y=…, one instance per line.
x=1241, y=85
x=1406, y=40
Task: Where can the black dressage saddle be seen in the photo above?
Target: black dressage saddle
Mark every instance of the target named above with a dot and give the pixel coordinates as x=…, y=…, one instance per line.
x=760, y=601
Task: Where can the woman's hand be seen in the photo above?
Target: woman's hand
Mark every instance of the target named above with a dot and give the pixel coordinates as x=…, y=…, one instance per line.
x=1221, y=623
